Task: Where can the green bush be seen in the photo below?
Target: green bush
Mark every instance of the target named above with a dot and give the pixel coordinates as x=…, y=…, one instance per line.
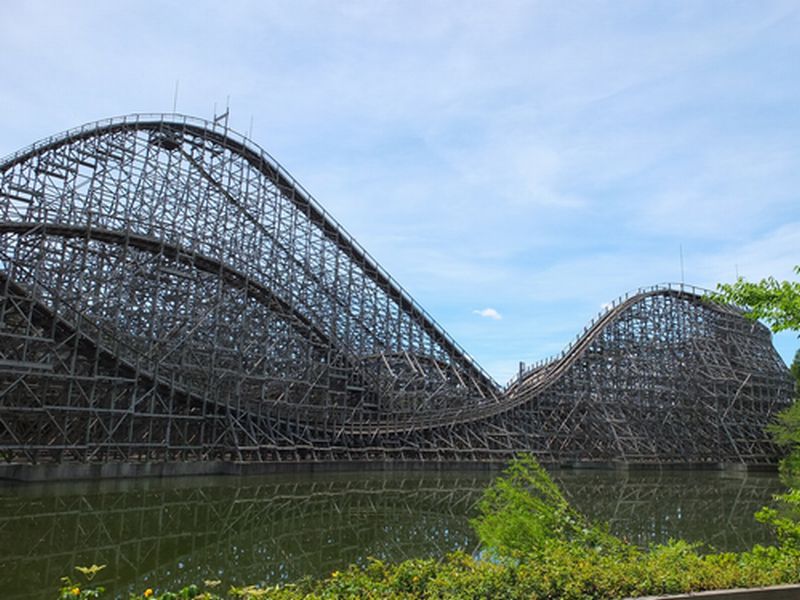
x=524, y=510
x=784, y=518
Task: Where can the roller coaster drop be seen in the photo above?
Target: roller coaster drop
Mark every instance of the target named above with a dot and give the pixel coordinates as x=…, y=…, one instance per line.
x=170, y=293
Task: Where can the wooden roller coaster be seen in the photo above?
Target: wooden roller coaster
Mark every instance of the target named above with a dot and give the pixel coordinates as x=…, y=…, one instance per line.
x=168, y=292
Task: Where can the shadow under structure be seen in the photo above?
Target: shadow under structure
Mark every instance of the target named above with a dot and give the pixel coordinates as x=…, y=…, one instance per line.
x=170, y=293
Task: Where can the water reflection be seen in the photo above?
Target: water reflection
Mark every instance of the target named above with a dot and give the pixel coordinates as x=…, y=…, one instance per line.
x=281, y=528
x=714, y=507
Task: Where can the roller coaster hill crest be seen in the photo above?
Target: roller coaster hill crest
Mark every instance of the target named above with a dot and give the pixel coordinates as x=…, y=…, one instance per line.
x=170, y=294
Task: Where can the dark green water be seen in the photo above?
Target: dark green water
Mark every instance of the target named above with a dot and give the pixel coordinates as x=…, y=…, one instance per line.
x=282, y=527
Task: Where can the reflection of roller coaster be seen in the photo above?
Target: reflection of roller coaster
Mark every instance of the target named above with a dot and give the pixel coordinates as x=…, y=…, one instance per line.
x=169, y=292
x=280, y=529
x=242, y=530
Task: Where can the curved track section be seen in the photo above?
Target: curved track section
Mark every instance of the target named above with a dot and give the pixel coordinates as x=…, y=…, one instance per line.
x=169, y=292
x=663, y=375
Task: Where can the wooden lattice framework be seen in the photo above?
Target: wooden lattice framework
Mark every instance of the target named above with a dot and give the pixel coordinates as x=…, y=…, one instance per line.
x=170, y=292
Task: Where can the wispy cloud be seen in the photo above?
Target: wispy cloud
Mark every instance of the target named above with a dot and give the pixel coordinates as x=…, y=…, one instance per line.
x=489, y=313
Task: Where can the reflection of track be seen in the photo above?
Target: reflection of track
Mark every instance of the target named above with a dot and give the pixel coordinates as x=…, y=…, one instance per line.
x=170, y=293
x=249, y=530
x=712, y=508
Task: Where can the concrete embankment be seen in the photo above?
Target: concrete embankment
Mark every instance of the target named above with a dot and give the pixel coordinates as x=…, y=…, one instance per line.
x=778, y=592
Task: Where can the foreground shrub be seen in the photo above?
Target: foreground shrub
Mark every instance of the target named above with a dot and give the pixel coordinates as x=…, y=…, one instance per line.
x=524, y=510
x=784, y=518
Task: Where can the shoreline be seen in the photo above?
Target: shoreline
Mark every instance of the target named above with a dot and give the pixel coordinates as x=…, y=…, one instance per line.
x=28, y=473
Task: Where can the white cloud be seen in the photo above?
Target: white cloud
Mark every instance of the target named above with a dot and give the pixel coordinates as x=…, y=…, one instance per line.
x=489, y=313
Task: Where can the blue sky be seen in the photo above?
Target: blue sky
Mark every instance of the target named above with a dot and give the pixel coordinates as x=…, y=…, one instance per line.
x=534, y=158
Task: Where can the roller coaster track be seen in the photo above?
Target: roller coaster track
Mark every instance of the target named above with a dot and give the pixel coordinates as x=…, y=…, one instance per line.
x=170, y=292
x=537, y=379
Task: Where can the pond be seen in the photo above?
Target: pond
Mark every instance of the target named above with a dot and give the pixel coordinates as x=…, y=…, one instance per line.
x=276, y=528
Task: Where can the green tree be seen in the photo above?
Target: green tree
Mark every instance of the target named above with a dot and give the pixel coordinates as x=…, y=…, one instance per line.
x=786, y=431
x=775, y=302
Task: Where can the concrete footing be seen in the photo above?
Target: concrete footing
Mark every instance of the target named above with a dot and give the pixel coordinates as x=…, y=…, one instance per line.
x=778, y=592
x=128, y=470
